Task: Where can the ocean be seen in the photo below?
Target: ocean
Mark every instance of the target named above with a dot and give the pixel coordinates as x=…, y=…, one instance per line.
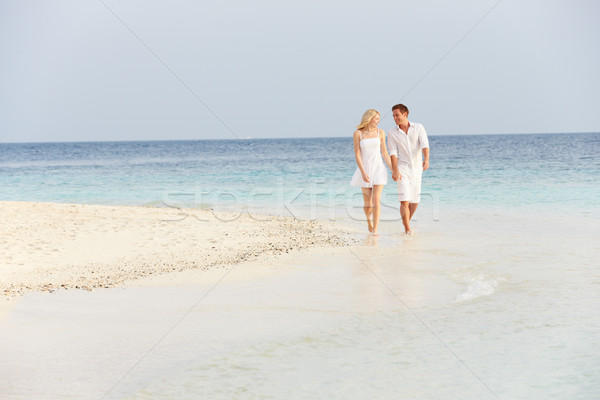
x=495, y=296
x=304, y=177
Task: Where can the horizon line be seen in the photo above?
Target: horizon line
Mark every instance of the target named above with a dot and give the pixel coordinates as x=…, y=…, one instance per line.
x=285, y=138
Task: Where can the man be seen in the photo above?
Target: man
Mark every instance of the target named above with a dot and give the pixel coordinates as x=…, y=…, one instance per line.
x=406, y=142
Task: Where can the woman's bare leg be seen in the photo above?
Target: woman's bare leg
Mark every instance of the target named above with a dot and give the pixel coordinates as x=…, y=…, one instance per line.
x=376, y=203
x=368, y=207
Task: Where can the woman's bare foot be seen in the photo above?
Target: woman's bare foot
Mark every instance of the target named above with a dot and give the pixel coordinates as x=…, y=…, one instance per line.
x=370, y=224
x=375, y=233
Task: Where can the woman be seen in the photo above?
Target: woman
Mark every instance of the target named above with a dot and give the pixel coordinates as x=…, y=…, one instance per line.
x=371, y=174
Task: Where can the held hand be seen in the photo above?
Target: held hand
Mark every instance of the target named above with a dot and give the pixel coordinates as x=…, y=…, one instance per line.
x=425, y=165
x=396, y=175
x=365, y=177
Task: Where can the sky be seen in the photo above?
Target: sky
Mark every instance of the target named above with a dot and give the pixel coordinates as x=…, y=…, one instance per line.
x=96, y=70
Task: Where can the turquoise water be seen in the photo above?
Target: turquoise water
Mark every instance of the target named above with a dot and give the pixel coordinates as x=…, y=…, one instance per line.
x=304, y=176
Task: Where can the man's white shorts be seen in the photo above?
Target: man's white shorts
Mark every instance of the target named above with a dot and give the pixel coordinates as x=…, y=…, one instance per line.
x=409, y=189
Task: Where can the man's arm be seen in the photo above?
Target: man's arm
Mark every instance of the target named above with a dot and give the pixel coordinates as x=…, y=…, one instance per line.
x=393, y=152
x=395, y=173
x=424, y=142
x=425, y=158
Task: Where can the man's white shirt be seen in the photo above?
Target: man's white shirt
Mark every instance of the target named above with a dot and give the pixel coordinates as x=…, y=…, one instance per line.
x=408, y=147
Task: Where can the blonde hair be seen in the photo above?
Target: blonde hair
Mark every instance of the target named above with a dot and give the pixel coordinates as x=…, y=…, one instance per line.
x=367, y=117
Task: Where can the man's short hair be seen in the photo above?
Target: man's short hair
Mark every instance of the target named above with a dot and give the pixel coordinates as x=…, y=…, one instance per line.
x=403, y=109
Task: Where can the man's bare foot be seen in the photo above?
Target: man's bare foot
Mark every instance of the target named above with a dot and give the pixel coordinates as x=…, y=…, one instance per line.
x=408, y=232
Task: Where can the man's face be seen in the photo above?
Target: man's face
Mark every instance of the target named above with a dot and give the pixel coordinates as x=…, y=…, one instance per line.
x=399, y=117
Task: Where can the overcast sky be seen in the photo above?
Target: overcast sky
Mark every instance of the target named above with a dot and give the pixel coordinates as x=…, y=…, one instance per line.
x=77, y=71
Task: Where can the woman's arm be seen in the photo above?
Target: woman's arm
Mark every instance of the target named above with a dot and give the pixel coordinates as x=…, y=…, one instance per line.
x=358, y=158
x=384, y=152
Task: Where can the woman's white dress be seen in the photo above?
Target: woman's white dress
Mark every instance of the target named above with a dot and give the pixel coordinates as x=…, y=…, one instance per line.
x=370, y=154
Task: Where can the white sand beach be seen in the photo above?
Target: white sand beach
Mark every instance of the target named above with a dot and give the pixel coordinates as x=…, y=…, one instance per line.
x=48, y=246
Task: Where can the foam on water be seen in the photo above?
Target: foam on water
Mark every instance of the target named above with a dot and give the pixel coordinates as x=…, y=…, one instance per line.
x=478, y=286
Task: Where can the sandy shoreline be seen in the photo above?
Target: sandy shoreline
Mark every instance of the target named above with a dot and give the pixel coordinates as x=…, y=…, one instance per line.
x=48, y=246
x=510, y=303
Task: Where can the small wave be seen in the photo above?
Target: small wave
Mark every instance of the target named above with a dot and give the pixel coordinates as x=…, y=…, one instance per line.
x=478, y=286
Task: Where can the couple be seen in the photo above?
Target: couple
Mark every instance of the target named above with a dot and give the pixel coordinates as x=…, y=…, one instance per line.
x=407, y=141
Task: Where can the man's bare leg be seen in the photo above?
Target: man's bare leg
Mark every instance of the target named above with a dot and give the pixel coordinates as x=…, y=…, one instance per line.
x=405, y=214
x=412, y=207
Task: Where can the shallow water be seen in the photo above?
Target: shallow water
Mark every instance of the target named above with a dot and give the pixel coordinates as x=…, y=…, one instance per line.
x=473, y=306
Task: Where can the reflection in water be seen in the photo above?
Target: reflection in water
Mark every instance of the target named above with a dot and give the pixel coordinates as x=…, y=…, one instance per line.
x=371, y=240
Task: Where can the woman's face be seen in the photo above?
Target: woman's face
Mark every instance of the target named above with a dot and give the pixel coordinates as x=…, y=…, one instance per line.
x=375, y=120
